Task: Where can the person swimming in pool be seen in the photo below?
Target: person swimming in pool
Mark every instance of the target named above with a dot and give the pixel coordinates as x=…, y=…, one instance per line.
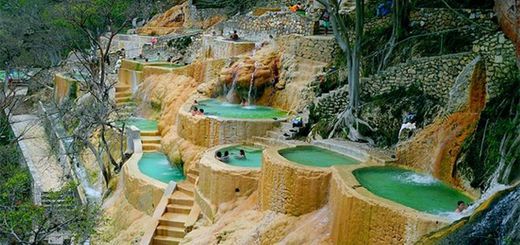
x=194, y=110
x=225, y=158
x=461, y=206
x=241, y=155
x=218, y=155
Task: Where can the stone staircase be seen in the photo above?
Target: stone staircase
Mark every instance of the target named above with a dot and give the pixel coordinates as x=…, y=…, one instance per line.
x=286, y=131
x=181, y=208
x=151, y=141
x=124, y=100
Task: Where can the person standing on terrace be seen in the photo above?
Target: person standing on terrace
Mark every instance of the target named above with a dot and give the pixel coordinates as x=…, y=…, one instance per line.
x=234, y=36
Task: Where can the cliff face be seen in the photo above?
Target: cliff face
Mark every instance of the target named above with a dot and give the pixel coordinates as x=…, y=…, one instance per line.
x=508, y=13
x=435, y=149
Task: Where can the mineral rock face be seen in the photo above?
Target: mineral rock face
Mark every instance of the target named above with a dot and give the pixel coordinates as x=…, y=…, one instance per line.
x=167, y=22
x=509, y=19
x=435, y=148
x=249, y=73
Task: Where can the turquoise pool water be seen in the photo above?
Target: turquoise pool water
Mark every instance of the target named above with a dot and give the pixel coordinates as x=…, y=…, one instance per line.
x=253, y=156
x=217, y=108
x=315, y=156
x=417, y=191
x=157, y=166
x=142, y=124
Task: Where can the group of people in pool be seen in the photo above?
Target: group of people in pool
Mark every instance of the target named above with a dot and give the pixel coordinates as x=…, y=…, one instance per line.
x=226, y=158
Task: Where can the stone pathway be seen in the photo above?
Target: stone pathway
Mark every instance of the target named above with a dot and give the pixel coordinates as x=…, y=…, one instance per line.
x=42, y=163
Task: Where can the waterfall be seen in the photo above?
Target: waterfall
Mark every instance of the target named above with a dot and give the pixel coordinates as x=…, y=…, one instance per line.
x=93, y=193
x=251, y=85
x=229, y=95
x=133, y=81
x=499, y=224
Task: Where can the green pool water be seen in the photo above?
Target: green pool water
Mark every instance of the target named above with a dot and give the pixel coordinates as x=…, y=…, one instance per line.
x=227, y=110
x=253, y=156
x=157, y=166
x=142, y=124
x=417, y=191
x=316, y=156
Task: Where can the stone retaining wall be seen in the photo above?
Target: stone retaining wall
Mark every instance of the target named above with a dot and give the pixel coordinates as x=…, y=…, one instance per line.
x=218, y=47
x=206, y=131
x=318, y=48
x=360, y=217
x=220, y=182
x=433, y=75
x=273, y=23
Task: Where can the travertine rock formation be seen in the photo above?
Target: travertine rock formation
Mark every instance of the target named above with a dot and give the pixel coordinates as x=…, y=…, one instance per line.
x=258, y=71
x=242, y=222
x=170, y=21
x=435, y=149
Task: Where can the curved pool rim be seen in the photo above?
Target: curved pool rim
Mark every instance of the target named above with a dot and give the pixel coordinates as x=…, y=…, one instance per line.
x=349, y=180
x=222, y=149
x=189, y=103
x=279, y=149
x=446, y=196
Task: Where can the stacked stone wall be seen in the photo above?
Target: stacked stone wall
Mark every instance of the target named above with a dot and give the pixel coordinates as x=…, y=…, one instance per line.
x=317, y=48
x=433, y=75
x=273, y=23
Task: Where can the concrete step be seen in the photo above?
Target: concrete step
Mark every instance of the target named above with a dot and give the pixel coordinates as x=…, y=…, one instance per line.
x=151, y=139
x=181, y=199
x=150, y=133
x=171, y=223
x=194, y=171
x=166, y=240
x=152, y=147
x=274, y=134
x=192, y=177
x=121, y=94
x=122, y=88
x=178, y=208
x=123, y=99
x=186, y=188
x=169, y=231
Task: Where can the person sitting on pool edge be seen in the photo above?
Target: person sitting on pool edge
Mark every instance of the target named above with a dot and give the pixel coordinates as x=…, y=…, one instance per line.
x=225, y=158
x=218, y=155
x=201, y=112
x=241, y=155
x=194, y=110
x=461, y=206
x=234, y=36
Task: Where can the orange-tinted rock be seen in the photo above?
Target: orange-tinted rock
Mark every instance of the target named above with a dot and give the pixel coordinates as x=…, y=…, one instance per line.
x=170, y=21
x=435, y=149
x=508, y=14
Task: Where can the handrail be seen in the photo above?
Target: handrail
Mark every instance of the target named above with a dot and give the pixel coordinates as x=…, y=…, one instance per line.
x=159, y=210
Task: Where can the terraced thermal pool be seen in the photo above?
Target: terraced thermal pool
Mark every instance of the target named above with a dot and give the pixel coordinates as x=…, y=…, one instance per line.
x=166, y=65
x=142, y=124
x=157, y=166
x=316, y=156
x=418, y=191
x=253, y=156
x=220, y=109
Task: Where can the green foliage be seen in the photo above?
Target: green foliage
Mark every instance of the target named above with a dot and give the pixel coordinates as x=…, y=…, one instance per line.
x=482, y=152
x=180, y=43
x=31, y=223
x=385, y=112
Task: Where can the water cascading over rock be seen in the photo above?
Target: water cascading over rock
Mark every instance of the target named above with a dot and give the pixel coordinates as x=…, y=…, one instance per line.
x=435, y=149
x=248, y=77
